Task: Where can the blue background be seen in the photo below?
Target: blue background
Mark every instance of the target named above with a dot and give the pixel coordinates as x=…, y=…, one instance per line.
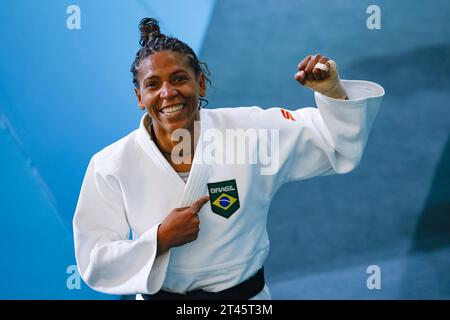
x=65, y=94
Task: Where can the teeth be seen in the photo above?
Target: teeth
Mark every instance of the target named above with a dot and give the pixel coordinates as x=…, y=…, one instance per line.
x=173, y=109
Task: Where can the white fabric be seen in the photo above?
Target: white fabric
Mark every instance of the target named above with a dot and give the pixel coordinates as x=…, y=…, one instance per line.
x=130, y=185
x=321, y=66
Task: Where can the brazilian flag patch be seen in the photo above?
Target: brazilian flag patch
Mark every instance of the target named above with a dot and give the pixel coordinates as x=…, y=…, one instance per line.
x=224, y=197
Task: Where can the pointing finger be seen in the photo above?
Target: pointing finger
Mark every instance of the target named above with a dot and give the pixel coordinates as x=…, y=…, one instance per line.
x=198, y=204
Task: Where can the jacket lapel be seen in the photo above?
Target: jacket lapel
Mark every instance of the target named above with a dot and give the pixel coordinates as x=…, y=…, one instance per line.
x=198, y=176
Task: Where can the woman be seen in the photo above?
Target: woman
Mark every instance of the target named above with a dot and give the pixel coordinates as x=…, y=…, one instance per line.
x=199, y=227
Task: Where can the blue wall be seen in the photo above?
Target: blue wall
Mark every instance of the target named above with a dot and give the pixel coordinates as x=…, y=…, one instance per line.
x=393, y=210
x=65, y=94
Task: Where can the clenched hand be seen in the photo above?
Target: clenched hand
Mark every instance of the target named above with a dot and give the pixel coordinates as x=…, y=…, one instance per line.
x=320, y=74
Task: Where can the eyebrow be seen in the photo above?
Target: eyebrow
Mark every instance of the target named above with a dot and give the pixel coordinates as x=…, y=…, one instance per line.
x=173, y=73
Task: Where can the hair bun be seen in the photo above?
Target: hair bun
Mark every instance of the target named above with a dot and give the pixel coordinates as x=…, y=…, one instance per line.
x=149, y=28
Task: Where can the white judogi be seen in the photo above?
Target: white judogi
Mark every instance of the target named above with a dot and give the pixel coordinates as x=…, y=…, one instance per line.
x=130, y=185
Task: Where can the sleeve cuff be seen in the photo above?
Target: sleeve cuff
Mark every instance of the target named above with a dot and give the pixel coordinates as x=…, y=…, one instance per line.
x=357, y=91
x=159, y=268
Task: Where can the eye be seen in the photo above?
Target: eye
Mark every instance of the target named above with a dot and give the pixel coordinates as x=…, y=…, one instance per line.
x=180, y=78
x=151, y=84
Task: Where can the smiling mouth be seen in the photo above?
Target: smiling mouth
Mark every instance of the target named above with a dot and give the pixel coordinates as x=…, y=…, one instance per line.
x=169, y=111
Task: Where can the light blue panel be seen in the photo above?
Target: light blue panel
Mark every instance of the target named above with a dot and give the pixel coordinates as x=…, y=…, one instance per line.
x=68, y=93
x=36, y=246
x=186, y=20
x=65, y=94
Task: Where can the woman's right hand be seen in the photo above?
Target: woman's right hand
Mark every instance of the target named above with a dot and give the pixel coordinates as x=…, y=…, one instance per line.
x=181, y=226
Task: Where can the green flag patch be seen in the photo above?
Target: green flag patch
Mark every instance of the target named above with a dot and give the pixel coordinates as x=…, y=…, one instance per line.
x=224, y=197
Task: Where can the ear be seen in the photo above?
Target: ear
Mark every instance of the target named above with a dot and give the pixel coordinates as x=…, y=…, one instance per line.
x=138, y=96
x=202, y=84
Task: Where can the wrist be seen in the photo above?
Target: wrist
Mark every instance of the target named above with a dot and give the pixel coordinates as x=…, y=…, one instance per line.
x=337, y=92
x=162, y=241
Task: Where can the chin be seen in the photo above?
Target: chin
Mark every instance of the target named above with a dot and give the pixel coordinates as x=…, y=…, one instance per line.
x=183, y=123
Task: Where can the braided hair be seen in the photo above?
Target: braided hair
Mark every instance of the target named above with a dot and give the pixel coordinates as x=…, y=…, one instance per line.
x=152, y=40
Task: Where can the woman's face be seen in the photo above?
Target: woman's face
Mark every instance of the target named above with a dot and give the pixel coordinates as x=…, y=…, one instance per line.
x=169, y=90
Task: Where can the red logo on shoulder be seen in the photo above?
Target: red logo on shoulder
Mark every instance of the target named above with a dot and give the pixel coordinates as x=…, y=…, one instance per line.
x=287, y=115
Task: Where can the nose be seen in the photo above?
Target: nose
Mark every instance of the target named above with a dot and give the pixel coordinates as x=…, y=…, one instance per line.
x=167, y=91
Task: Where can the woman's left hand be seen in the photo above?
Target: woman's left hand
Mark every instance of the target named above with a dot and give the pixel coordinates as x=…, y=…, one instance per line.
x=320, y=74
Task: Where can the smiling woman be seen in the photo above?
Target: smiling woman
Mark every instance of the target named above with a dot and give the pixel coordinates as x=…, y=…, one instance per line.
x=169, y=83
x=169, y=91
x=135, y=184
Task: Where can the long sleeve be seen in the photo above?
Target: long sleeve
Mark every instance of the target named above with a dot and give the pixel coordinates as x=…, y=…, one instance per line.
x=325, y=140
x=107, y=260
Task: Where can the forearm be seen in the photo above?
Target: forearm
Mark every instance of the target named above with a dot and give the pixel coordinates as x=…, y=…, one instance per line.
x=162, y=242
x=340, y=93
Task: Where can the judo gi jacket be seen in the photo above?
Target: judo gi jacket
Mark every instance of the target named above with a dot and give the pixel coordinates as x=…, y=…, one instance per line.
x=130, y=187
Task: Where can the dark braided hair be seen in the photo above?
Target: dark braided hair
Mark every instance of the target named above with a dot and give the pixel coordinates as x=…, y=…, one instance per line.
x=152, y=40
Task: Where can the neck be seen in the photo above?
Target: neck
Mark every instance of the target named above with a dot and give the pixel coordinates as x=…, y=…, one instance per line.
x=165, y=144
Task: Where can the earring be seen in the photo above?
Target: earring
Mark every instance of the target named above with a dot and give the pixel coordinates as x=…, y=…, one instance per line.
x=200, y=103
